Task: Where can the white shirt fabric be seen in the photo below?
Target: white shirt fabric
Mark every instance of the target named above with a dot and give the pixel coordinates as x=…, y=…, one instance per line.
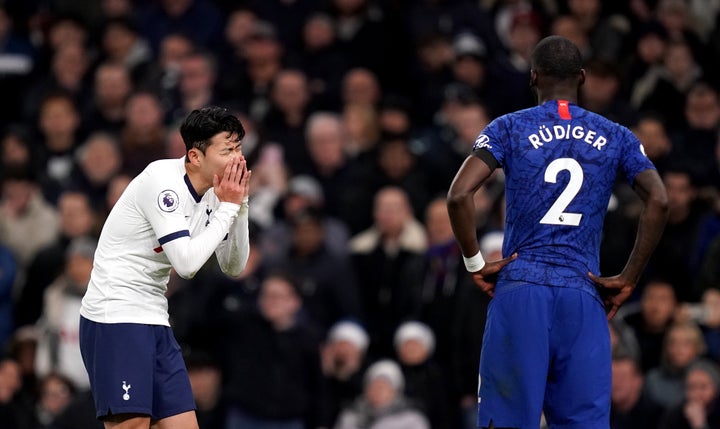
x=62, y=354
x=158, y=224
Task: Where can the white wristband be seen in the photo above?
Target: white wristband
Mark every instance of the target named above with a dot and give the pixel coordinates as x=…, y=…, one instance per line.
x=474, y=263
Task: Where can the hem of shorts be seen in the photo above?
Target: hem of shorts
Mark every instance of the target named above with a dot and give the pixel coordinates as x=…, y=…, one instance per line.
x=122, y=410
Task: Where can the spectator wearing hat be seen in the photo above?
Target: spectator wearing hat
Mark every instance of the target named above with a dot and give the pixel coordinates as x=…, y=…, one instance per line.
x=470, y=64
x=383, y=404
x=426, y=384
x=344, y=363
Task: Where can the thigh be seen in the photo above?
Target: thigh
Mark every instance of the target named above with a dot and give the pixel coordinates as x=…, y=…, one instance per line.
x=126, y=421
x=515, y=358
x=579, y=383
x=186, y=420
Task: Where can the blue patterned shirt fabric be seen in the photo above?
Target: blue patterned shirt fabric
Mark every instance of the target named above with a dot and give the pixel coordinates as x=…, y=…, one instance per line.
x=560, y=163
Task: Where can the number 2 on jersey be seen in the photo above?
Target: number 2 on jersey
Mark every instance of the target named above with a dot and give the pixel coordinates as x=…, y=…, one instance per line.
x=556, y=214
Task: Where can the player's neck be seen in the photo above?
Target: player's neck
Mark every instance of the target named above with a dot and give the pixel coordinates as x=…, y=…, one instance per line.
x=556, y=95
x=199, y=184
x=557, y=92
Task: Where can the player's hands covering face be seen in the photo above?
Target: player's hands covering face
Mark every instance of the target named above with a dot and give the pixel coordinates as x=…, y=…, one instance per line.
x=234, y=185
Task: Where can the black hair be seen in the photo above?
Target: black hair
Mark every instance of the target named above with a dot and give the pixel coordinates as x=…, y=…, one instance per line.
x=284, y=273
x=556, y=56
x=308, y=214
x=18, y=173
x=202, y=124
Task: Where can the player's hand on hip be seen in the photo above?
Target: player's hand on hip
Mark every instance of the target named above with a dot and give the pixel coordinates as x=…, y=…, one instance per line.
x=485, y=278
x=231, y=188
x=614, y=291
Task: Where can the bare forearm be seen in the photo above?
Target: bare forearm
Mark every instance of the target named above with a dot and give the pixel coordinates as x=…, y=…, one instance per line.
x=460, y=204
x=462, y=218
x=650, y=228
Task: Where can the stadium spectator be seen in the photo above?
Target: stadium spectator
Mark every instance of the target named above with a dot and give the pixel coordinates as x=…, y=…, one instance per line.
x=98, y=161
x=111, y=88
x=699, y=408
x=682, y=346
x=271, y=363
x=77, y=219
x=344, y=362
x=28, y=222
x=651, y=319
x=382, y=404
x=58, y=347
x=426, y=383
x=631, y=408
x=396, y=242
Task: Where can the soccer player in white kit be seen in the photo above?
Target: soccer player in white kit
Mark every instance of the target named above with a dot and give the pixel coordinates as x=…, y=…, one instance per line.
x=173, y=215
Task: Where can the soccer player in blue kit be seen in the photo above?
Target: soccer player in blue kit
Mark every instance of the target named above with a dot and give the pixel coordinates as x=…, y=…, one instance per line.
x=546, y=346
x=173, y=215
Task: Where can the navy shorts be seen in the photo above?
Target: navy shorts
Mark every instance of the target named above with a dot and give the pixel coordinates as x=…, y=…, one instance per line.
x=135, y=368
x=545, y=349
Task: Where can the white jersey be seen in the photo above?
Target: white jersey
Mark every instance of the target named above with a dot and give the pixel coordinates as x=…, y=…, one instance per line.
x=160, y=223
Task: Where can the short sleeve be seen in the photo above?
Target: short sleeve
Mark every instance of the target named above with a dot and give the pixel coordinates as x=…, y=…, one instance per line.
x=491, y=140
x=634, y=160
x=161, y=202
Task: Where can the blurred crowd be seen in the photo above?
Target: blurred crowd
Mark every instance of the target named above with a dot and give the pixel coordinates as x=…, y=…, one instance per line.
x=355, y=310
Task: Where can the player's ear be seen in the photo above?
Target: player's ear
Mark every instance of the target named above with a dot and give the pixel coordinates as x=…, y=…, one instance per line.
x=193, y=156
x=533, y=78
x=581, y=78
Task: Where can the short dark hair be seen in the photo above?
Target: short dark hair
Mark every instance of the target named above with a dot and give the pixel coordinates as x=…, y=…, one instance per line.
x=556, y=56
x=202, y=124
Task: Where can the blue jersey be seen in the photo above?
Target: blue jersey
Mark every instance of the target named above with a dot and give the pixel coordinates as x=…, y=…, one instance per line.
x=560, y=163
